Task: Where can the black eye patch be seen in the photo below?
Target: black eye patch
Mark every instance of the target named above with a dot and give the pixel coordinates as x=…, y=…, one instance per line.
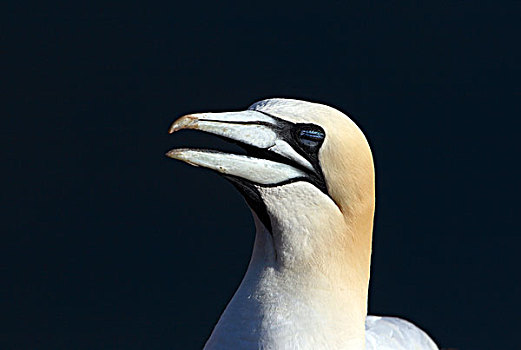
x=310, y=135
x=305, y=139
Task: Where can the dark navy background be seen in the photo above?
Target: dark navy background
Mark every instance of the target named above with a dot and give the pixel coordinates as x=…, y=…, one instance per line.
x=108, y=244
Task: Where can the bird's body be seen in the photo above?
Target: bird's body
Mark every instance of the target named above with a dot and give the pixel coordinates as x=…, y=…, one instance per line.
x=392, y=333
x=309, y=180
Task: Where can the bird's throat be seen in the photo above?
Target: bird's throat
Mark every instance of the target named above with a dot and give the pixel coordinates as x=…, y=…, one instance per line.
x=277, y=307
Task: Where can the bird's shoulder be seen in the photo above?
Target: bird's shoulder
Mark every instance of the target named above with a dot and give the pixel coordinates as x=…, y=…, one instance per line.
x=393, y=333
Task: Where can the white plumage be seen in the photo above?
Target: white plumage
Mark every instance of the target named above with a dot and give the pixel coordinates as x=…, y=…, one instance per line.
x=308, y=177
x=391, y=333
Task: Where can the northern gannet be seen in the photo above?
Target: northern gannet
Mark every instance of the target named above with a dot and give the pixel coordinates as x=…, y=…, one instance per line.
x=308, y=177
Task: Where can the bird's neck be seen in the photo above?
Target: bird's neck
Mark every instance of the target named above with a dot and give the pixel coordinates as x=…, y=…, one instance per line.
x=277, y=307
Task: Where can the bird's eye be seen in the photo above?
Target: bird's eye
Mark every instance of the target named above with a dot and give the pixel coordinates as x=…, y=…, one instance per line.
x=311, y=137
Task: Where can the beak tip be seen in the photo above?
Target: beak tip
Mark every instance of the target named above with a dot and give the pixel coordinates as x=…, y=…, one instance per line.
x=171, y=154
x=183, y=154
x=185, y=122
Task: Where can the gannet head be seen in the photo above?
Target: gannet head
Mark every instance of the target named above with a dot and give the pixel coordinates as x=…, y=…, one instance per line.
x=307, y=174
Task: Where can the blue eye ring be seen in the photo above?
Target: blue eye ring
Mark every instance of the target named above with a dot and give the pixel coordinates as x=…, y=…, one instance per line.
x=310, y=136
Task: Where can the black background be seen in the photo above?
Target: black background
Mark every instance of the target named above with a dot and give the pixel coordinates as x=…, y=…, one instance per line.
x=108, y=244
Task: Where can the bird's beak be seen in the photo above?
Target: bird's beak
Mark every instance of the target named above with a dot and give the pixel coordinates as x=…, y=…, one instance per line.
x=260, y=133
